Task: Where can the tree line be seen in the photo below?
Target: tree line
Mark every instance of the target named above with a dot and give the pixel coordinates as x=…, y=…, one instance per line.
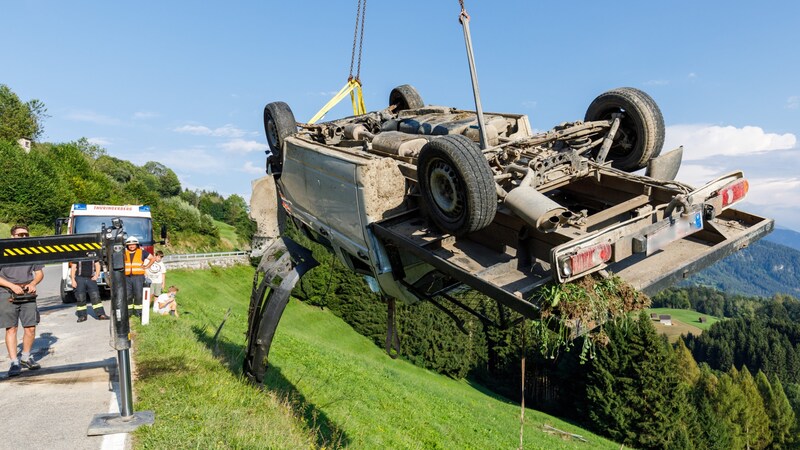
x=38, y=186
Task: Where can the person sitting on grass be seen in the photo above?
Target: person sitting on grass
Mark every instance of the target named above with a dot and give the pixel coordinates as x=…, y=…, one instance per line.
x=166, y=303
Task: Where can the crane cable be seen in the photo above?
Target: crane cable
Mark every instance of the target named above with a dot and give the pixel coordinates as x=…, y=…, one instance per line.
x=353, y=86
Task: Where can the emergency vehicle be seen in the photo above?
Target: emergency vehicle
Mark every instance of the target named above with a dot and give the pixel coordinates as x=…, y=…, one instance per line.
x=85, y=218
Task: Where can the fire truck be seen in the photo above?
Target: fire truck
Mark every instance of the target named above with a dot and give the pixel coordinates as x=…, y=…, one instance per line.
x=85, y=218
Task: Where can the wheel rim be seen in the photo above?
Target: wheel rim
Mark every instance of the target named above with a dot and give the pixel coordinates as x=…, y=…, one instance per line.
x=444, y=182
x=272, y=133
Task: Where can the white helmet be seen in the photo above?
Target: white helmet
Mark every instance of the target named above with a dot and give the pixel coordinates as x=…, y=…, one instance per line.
x=132, y=240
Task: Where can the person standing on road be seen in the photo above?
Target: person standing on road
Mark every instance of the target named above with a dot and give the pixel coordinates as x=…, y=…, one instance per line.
x=136, y=262
x=19, y=280
x=84, y=276
x=157, y=274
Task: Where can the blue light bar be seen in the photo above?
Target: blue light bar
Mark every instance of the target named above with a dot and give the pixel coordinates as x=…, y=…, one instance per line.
x=144, y=208
x=79, y=206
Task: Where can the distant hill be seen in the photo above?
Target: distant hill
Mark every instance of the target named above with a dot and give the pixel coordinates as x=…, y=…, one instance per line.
x=783, y=236
x=763, y=269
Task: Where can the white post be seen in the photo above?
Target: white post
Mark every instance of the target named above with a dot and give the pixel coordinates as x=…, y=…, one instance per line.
x=146, y=306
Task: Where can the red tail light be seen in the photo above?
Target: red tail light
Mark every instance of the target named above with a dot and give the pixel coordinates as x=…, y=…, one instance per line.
x=148, y=248
x=734, y=192
x=586, y=259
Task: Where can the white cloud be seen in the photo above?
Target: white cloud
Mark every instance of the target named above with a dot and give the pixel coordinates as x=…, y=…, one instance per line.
x=773, y=191
x=194, y=129
x=323, y=93
x=92, y=117
x=250, y=168
x=703, y=141
x=228, y=131
x=242, y=146
x=102, y=142
x=768, y=161
x=189, y=160
x=141, y=115
x=691, y=75
x=530, y=103
x=697, y=175
x=656, y=83
x=793, y=102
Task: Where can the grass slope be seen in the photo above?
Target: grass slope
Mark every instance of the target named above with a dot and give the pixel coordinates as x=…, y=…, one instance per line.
x=228, y=237
x=327, y=386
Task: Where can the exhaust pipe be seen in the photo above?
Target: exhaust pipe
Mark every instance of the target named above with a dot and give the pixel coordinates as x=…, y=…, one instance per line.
x=535, y=208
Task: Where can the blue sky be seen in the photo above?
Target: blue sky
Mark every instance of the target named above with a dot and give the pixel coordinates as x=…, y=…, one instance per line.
x=185, y=83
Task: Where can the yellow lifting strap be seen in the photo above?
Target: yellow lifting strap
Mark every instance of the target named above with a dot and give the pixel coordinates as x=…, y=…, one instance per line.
x=353, y=87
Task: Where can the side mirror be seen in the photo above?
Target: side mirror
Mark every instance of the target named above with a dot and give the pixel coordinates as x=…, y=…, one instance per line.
x=163, y=235
x=59, y=224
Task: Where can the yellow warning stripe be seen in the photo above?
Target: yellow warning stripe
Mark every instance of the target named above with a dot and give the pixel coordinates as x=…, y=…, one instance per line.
x=63, y=248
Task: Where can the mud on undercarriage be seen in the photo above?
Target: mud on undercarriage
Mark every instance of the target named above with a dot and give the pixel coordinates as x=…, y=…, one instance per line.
x=405, y=196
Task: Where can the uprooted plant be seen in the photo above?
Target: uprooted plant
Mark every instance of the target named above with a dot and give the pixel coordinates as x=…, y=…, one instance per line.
x=579, y=308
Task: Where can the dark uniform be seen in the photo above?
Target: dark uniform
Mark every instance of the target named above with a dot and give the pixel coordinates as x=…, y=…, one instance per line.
x=85, y=281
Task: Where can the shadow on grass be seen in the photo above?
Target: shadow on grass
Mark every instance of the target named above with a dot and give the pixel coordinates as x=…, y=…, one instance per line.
x=327, y=433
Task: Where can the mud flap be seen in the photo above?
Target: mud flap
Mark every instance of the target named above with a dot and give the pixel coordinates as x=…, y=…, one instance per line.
x=283, y=264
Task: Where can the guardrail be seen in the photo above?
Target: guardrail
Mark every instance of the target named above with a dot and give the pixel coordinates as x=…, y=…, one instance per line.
x=201, y=256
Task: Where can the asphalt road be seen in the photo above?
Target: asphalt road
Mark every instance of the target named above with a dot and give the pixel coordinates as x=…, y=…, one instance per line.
x=51, y=408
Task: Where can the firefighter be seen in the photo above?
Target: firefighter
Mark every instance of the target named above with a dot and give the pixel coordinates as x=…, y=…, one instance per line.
x=84, y=276
x=137, y=260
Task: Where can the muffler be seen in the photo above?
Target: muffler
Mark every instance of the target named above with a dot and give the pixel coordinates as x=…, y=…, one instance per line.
x=535, y=208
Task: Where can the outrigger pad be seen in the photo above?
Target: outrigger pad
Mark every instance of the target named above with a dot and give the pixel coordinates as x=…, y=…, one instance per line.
x=283, y=263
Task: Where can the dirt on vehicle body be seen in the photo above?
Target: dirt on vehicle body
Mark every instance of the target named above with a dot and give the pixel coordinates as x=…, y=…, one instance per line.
x=398, y=192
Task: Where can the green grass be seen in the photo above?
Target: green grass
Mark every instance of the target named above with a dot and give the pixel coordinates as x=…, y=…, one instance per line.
x=687, y=316
x=228, y=236
x=327, y=386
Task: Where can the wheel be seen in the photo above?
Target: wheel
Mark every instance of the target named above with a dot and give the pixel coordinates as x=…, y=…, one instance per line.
x=641, y=132
x=67, y=296
x=405, y=97
x=457, y=185
x=278, y=124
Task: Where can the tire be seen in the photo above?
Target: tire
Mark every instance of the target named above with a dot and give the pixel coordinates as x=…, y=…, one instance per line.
x=405, y=97
x=279, y=123
x=67, y=296
x=457, y=185
x=641, y=132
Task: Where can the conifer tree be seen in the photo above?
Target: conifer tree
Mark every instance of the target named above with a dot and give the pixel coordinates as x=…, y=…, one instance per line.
x=634, y=392
x=781, y=415
x=729, y=407
x=610, y=376
x=714, y=433
x=687, y=367
x=754, y=418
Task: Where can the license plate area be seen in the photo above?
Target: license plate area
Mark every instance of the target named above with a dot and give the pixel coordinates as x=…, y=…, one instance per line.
x=668, y=231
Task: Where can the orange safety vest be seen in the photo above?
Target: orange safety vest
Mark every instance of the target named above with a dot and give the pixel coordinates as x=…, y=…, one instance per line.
x=134, y=265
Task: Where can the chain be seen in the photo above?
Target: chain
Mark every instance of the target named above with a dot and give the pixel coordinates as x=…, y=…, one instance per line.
x=361, y=40
x=463, y=15
x=355, y=39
